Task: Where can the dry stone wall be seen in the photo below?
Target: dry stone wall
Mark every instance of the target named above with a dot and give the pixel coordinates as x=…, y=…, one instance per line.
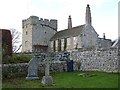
x=96, y=60
x=86, y=60
x=10, y=69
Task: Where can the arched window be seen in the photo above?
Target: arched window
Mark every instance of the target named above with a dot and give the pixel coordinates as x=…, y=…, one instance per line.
x=26, y=43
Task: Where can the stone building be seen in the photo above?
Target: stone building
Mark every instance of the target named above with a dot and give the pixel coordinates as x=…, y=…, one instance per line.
x=42, y=35
x=37, y=33
x=104, y=43
x=83, y=36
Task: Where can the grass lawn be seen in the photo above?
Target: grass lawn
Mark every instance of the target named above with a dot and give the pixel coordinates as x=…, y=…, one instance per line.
x=68, y=80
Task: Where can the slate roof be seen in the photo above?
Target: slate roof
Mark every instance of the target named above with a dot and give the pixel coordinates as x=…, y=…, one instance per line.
x=68, y=33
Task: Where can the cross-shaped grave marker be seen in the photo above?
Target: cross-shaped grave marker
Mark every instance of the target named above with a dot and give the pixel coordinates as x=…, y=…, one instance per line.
x=45, y=58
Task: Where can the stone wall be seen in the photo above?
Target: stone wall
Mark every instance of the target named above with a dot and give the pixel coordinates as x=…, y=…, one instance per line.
x=85, y=60
x=98, y=60
x=10, y=69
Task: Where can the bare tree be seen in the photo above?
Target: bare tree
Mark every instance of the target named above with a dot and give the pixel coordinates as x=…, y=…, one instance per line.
x=16, y=42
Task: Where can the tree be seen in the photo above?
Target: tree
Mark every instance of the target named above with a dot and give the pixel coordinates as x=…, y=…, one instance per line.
x=16, y=42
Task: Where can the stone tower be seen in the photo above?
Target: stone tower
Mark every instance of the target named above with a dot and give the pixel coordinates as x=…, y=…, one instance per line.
x=37, y=33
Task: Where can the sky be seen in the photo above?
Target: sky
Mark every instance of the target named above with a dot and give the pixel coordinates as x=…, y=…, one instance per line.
x=104, y=13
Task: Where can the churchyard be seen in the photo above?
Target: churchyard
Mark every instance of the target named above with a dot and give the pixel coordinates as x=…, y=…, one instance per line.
x=53, y=71
x=67, y=80
x=75, y=57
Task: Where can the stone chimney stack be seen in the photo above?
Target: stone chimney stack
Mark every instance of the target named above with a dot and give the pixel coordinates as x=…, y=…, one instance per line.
x=88, y=15
x=104, y=36
x=69, y=22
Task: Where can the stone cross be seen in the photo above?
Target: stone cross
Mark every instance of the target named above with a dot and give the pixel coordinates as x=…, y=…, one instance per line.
x=50, y=58
x=47, y=79
x=47, y=67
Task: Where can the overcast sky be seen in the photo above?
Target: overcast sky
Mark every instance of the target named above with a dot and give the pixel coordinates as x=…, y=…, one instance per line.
x=104, y=13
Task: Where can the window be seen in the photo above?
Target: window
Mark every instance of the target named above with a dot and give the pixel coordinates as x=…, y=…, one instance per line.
x=75, y=40
x=26, y=43
x=51, y=44
x=62, y=42
x=68, y=41
x=56, y=43
x=26, y=32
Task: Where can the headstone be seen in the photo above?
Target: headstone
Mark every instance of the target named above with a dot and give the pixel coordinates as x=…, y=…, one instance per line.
x=33, y=66
x=33, y=70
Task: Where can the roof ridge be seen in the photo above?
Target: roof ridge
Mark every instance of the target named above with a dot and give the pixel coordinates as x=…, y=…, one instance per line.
x=73, y=27
x=75, y=31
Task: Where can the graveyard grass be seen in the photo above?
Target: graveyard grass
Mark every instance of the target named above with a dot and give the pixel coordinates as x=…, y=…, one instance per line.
x=68, y=80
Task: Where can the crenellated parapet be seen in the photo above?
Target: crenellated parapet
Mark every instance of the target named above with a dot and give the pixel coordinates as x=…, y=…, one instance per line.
x=37, y=33
x=34, y=20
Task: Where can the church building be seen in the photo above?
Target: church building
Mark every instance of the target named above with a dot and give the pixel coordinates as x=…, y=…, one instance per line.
x=42, y=35
x=72, y=38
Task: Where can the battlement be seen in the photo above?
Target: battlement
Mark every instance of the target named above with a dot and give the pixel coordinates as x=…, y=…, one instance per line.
x=33, y=20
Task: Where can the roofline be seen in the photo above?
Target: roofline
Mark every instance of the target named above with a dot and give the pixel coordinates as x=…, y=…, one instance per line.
x=66, y=30
x=72, y=27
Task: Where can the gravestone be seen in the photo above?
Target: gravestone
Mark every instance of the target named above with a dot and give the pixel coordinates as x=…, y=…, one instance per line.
x=33, y=69
x=33, y=66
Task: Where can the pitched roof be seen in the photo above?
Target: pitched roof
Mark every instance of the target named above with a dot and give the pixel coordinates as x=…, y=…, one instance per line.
x=68, y=32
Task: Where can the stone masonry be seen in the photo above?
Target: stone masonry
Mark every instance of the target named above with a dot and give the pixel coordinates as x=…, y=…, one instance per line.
x=86, y=60
x=96, y=60
x=37, y=33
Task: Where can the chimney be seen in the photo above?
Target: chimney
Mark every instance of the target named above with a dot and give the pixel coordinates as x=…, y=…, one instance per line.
x=69, y=22
x=88, y=15
x=104, y=36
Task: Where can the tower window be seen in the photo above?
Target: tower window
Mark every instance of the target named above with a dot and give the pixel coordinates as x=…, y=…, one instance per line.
x=26, y=32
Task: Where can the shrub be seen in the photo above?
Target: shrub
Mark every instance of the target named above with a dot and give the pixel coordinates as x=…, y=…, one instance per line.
x=17, y=58
x=14, y=70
